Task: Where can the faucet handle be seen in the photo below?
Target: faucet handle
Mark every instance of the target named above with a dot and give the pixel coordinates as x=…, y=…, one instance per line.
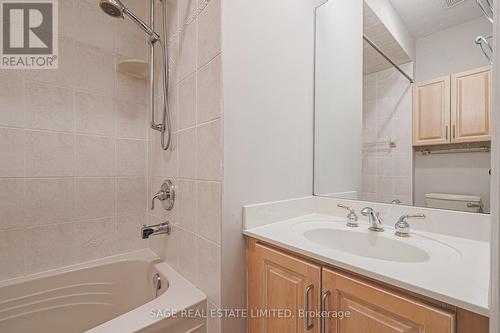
x=160, y=195
x=403, y=227
x=166, y=195
x=349, y=208
x=412, y=216
x=352, y=218
x=156, y=196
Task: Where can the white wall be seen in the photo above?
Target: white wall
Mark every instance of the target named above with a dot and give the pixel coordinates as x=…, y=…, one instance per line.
x=451, y=173
x=495, y=192
x=338, y=97
x=393, y=22
x=268, y=51
x=464, y=173
x=452, y=50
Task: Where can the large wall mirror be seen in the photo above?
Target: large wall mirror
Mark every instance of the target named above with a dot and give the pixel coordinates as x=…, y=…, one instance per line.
x=403, y=102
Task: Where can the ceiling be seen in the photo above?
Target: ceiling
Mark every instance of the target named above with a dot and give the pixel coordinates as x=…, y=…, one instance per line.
x=425, y=17
x=376, y=31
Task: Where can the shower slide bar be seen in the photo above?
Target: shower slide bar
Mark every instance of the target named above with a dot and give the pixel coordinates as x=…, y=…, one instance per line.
x=165, y=127
x=376, y=48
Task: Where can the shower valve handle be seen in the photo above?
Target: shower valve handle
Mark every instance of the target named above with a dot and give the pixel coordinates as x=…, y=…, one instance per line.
x=166, y=195
x=161, y=195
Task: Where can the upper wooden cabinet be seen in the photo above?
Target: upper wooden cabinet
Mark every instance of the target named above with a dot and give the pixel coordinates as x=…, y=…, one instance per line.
x=279, y=281
x=378, y=310
x=453, y=109
x=431, y=112
x=470, y=105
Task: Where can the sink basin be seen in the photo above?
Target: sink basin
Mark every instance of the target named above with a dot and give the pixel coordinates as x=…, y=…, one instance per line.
x=372, y=245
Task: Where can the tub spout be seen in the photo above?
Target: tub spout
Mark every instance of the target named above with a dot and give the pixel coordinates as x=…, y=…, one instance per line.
x=158, y=229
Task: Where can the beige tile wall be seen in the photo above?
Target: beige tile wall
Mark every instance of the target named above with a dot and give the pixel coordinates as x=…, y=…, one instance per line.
x=74, y=148
x=194, y=162
x=78, y=163
x=387, y=172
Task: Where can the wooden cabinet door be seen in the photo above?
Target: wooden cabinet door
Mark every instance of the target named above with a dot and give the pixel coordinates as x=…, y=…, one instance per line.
x=431, y=112
x=470, y=105
x=278, y=281
x=376, y=310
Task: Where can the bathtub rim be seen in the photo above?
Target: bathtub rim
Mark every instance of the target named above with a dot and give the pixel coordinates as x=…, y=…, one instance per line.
x=145, y=255
x=181, y=295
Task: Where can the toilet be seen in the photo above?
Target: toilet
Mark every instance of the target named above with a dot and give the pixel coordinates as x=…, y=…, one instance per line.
x=466, y=203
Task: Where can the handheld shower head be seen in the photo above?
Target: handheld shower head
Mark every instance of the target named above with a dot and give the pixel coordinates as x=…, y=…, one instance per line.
x=114, y=8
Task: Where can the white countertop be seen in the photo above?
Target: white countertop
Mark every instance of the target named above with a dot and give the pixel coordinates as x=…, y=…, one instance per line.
x=456, y=273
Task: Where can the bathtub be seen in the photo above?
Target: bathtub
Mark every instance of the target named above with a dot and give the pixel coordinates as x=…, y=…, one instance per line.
x=112, y=295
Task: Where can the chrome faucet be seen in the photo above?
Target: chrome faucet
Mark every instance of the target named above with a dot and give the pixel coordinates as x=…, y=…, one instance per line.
x=402, y=227
x=158, y=229
x=352, y=218
x=373, y=218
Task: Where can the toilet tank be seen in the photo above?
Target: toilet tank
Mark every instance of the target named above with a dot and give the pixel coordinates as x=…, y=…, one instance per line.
x=466, y=203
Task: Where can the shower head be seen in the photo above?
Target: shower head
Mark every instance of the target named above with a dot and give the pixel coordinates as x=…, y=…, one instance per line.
x=114, y=8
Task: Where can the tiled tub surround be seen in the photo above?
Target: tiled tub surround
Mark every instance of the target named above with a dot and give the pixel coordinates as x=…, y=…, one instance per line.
x=74, y=148
x=194, y=162
x=461, y=280
x=387, y=111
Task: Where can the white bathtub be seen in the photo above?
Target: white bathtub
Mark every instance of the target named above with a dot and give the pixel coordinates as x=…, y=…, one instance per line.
x=110, y=295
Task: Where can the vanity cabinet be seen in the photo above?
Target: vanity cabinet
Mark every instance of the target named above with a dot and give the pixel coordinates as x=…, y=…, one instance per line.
x=278, y=279
x=453, y=109
x=375, y=309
